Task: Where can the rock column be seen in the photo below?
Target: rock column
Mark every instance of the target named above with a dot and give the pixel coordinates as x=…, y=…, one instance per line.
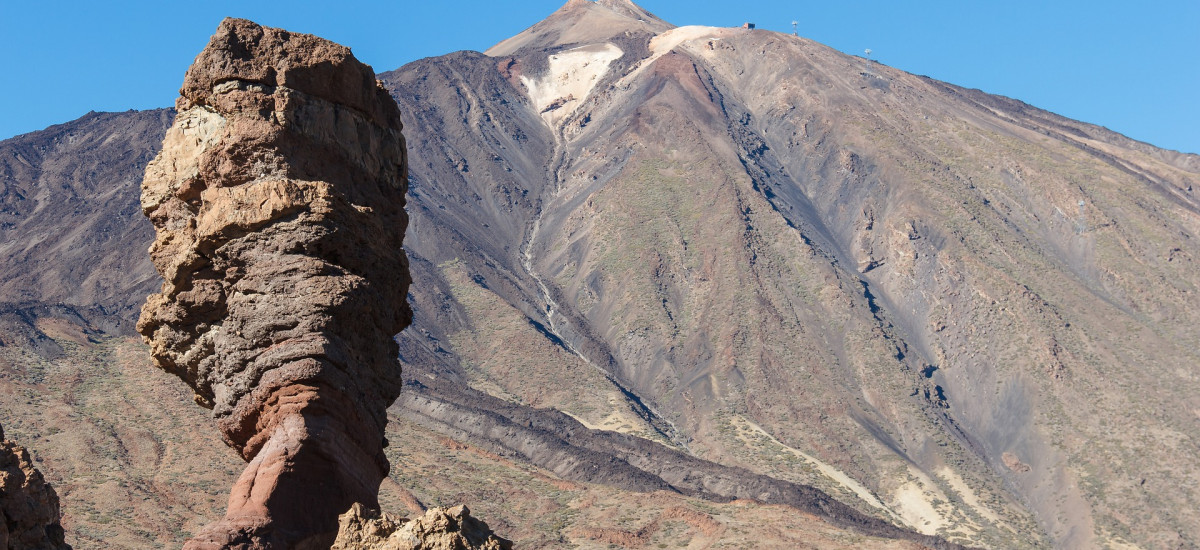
x=278, y=204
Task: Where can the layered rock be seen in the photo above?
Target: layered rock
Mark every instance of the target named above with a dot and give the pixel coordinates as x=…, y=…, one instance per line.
x=440, y=528
x=29, y=513
x=278, y=204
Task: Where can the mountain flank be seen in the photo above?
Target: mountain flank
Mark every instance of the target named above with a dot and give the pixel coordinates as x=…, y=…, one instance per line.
x=816, y=267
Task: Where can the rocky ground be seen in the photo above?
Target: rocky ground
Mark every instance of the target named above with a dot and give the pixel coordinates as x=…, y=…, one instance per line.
x=136, y=464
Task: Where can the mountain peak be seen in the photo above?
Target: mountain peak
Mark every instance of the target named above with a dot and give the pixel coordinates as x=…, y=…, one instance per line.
x=583, y=22
x=624, y=7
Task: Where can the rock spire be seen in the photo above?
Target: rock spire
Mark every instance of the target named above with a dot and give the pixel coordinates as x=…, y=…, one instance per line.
x=278, y=204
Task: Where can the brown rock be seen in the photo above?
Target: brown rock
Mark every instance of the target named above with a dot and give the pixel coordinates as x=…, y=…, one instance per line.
x=1012, y=462
x=278, y=204
x=439, y=529
x=29, y=513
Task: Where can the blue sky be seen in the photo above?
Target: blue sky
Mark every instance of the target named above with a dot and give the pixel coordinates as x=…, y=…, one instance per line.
x=1132, y=68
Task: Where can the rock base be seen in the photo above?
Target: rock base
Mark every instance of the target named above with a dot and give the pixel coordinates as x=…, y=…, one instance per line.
x=29, y=513
x=361, y=528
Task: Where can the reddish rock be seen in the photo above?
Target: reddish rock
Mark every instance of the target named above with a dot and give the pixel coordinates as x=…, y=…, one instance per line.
x=29, y=513
x=278, y=204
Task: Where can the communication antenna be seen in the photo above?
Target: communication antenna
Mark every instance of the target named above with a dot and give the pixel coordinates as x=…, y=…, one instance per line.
x=794, y=23
x=868, y=52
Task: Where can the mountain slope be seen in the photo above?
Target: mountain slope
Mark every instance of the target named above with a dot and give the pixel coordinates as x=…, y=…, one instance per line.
x=760, y=237
x=69, y=196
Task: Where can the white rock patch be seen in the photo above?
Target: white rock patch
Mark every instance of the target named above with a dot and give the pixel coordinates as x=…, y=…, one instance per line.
x=922, y=505
x=571, y=77
x=834, y=474
x=671, y=39
x=195, y=131
x=662, y=44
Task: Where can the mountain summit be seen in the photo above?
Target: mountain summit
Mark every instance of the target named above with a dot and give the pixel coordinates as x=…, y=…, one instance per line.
x=716, y=264
x=583, y=22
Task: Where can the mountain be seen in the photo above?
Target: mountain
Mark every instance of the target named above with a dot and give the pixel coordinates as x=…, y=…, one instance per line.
x=857, y=270
x=71, y=228
x=732, y=264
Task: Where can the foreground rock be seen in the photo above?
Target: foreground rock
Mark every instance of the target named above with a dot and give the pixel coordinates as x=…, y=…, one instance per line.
x=29, y=514
x=440, y=528
x=278, y=204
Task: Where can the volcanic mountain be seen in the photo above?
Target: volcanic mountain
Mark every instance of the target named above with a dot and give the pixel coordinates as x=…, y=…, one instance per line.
x=720, y=264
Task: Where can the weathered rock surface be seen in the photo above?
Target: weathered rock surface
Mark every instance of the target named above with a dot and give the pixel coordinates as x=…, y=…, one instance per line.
x=29, y=514
x=278, y=203
x=361, y=528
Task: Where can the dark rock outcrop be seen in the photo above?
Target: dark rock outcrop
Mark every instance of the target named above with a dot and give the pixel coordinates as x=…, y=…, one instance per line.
x=278, y=202
x=29, y=513
x=552, y=440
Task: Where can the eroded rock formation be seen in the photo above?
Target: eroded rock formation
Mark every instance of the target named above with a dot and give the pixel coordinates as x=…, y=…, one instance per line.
x=29, y=513
x=278, y=204
x=440, y=528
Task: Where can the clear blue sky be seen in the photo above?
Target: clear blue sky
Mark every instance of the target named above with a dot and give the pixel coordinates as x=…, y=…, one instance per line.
x=1131, y=68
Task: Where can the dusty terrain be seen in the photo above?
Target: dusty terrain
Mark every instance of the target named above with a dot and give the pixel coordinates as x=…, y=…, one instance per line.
x=137, y=464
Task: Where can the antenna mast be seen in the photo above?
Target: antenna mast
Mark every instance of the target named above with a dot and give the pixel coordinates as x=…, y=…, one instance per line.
x=794, y=23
